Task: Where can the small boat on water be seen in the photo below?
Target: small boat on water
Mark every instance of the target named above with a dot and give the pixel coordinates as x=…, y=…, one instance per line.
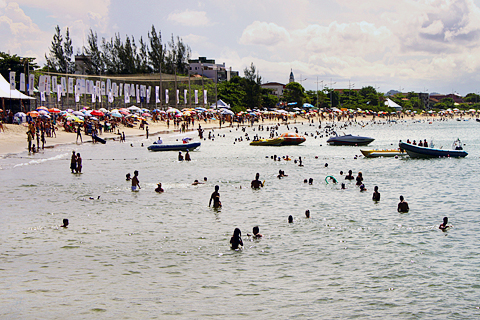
x=174, y=147
x=292, y=139
x=268, y=142
x=375, y=153
x=349, y=140
x=426, y=152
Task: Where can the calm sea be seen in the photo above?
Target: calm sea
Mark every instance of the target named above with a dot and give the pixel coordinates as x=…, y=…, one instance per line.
x=143, y=255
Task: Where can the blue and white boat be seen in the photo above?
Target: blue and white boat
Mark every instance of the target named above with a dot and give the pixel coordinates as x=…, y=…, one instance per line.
x=174, y=147
x=415, y=151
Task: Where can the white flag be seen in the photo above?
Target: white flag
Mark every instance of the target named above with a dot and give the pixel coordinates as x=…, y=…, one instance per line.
x=127, y=98
x=41, y=84
x=132, y=90
x=115, y=89
x=83, y=89
x=148, y=94
x=120, y=90
x=138, y=93
x=54, y=84
x=109, y=85
x=204, y=96
x=93, y=98
x=31, y=80
x=48, y=85
x=12, y=80
x=178, y=98
x=78, y=89
x=157, y=96
x=22, y=82
x=59, y=92
x=166, y=96
x=97, y=87
x=196, y=96
x=70, y=85
x=102, y=89
x=110, y=97
x=42, y=96
x=185, y=96
x=63, y=82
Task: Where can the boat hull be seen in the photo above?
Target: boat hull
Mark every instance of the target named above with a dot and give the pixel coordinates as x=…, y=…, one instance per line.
x=423, y=152
x=174, y=147
x=349, y=140
x=292, y=139
x=268, y=142
x=382, y=153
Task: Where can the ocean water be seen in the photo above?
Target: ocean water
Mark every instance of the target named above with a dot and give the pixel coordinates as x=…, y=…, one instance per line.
x=143, y=255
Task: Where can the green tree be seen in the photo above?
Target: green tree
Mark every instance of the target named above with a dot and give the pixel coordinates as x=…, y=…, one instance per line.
x=251, y=85
x=472, y=98
x=60, y=56
x=294, y=92
x=156, y=53
x=232, y=93
x=368, y=95
x=15, y=63
x=269, y=100
x=94, y=63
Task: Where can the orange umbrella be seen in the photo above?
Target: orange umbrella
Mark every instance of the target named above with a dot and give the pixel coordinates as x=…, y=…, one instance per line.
x=33, y=114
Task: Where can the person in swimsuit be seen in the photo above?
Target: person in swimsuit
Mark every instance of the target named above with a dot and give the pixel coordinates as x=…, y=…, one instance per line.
x=79, y=164
x=180, y=156
x=187, y=156
x=127, y=177
x=256, y=234
x=290, y=219
x=159, y=188
x=73, y=162
x=307, y=214
x=236, y=239
x=359, y=179
x=444, y=226
x=403, y=206
x=65, y=224
x=215, y=197
x=256, y=184
x=135, y=182
x=376, y=194
x=349, y=176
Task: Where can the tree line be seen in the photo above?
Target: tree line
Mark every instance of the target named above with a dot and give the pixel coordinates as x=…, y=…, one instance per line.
x=117, y=56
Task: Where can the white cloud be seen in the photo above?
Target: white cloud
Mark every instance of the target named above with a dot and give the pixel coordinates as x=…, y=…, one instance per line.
x=194, y=39
x=190, y=18
x=263, y=33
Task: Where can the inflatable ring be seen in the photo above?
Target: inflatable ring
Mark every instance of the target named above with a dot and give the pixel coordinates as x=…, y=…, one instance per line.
x=334, y=180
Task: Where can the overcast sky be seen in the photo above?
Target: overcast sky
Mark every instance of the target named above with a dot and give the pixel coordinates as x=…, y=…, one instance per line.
x=423, y=45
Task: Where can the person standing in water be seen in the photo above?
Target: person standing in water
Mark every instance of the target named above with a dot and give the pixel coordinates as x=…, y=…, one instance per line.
x=135, y=182
x=403, y=206
x=73, y=162
x=215, y=197
x=79, y=164
x=236, y=239
x=187, y=156
x=256, y=184
x=376, y=194
x=65, y=224
x=444, y=226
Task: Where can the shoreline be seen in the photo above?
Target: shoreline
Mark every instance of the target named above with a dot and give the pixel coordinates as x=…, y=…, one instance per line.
x=13, y=140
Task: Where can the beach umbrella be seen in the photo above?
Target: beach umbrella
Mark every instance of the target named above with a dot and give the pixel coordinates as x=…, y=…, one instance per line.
x=200, y=109
x=69, y=110
x=54, y=110
x=126, y=113
x=146, y=114
x=178, y=115
x=162, y=112
x=97, y=113
x=114, y=110
x=156, y=110
x=134, y=108
x=307, y=105
x=45, y=116
x=94, y=118
x=33, y=114
x=125, y=110
x=227, y=111
x=43, y=112
x=116, y=115
x=42, y=108
x=173, y=110
x=77, y=113
x=103, y=110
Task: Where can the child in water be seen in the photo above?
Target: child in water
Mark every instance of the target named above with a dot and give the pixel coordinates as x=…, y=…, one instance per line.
x=236, y=239
x=256, y=233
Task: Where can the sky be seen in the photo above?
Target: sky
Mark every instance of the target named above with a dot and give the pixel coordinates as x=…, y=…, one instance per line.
x=422, y=45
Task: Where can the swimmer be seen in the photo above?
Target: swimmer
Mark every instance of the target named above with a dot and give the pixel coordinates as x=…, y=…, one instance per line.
x=307, y=214
x=444, y=226
x=310, y=181
x=65, y=224
x=305, y=180
x=135, y=182
x=290, y=219
x=300, y=164
x=215, y=197
x=343, y=186
x=341, y=173
x=403, y=206
x=187, y=156
x=256, y=233
x=236, y=239
x=205, y=179
x=256, y=184
x=127, y=177
x=349, y=176
x=180, y=156
x=359, y=179
x=159, y=188
x=362, y=188
x=196, y=182
x=326, y=165
x=376, y=194
x=281, y=174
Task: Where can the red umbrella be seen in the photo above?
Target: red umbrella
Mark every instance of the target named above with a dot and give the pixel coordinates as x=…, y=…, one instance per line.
x=146, y=114
x=97, y=113
x=54, y=110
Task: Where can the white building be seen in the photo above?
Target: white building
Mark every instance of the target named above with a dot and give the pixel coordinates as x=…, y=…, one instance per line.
x=277, y=88
x=208, y=68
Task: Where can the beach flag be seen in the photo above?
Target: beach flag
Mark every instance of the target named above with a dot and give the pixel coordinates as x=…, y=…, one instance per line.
x=63, y=82
x=48, y=82
x=137, y=93
x=157, y=96
x=97, y=88
x=115, y=89
x=110, y=97
x=12, y=80
x=54, y=84
x=132, y=90
x=42, y=96
x=126, y=89
x=204, y=96
x=59, y=92
x=185, y=96
x=120, y=90
x=70, y=85
x=166, y=96
x=93, y=98
x=77, y=92
x=109, y=85
x=31, y=80
x=178, y=98
x=22, y=82
x=41, y=84
x=102, y=88
x=148, y=94
x=196, y=96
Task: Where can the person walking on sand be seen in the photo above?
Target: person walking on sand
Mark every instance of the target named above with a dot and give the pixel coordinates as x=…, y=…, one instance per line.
x=79, y=135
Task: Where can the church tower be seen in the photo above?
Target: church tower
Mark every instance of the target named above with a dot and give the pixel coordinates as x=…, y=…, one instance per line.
x=292, y=78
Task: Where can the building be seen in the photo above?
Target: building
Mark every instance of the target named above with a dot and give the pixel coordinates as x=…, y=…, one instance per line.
x=209, y=69
x=292, y=78
x=439, y=97
x=276, y=87
x=80, y=61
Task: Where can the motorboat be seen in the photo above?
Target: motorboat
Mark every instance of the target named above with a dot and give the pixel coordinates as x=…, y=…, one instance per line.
x=174, y=147
x=376, y=153
x=292, y=139
x=349, y=140
x=268, y=142
x=415, y=151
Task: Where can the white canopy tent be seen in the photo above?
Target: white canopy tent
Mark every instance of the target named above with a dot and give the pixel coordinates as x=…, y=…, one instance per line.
x=6, y=93
x=220, y=104
x=391, y=104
